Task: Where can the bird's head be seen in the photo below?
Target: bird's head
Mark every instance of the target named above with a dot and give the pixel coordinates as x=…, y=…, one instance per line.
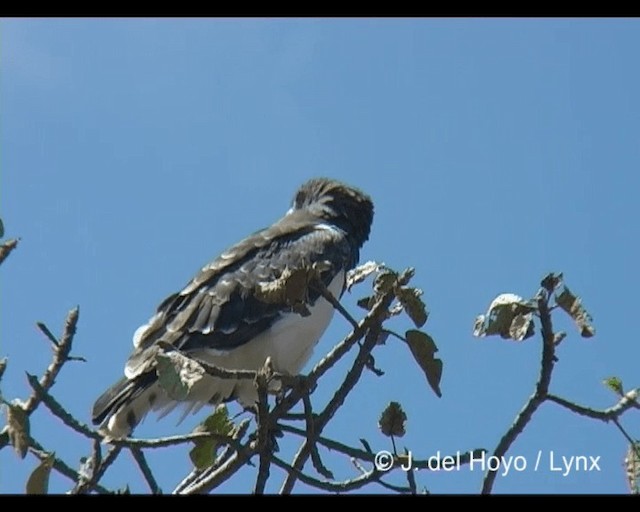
x=344, y=206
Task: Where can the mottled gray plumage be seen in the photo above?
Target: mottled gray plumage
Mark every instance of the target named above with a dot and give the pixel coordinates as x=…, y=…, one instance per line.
x=217, y=316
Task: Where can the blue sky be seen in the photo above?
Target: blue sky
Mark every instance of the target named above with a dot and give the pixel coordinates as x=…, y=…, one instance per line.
x=133, y=151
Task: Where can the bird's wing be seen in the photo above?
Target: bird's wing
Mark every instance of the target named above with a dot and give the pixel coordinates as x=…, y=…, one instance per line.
x=218, y=309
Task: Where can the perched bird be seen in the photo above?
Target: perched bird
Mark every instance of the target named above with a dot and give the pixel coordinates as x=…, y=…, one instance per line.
x=219, y=317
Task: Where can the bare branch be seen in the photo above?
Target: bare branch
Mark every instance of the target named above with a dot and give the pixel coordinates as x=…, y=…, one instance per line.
x=145, y=469
x=373, y=476
x=632, y=441
x=163, y=442
x=57, y=410
x=60, y=357
x=612, y=413
x=263, y=429
x=86, y=486
x=358, y=453
x=329, y=297
x=540, y=393
x=315, y=455
x=48, y=333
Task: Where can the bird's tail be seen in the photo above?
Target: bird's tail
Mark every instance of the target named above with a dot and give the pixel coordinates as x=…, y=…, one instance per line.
x=121, y=407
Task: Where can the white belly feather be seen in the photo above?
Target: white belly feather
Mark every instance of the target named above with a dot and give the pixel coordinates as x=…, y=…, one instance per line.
x=289, y=343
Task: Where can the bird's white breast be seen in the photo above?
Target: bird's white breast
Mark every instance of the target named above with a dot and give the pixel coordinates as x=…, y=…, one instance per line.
x=289, y=342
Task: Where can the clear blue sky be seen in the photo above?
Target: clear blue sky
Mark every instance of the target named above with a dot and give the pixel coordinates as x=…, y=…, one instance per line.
x=135, y=150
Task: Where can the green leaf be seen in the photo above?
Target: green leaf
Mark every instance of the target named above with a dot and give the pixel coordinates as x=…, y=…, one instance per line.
x=413, y=304
x=203, y=454
x=18, y=428
x=392, y=420
x=177, y=374
x=38, y=482
x=614, y=384
x=573, y=306
x=509, y=316
x=423, y=349
x=361, y=272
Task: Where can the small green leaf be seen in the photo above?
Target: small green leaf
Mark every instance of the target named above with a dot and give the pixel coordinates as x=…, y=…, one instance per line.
x=392, y=420
x=38, y=482
x=177, y=374
x=573, y=306
x=203, y=454
x=18, y=428
x=423, y=349
x=614, y=384
x=413, y=304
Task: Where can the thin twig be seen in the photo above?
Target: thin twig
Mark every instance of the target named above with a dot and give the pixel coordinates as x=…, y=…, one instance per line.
x=612, y=413
x=60, y=356
x=163, y=442
x=339, y=487
x=263, y=431
x=146, y=470
x=47, y=332
x=329, y=297
x=357, y=453
x=627, y=437
x=89, y=485
x=311, y=434
x=57, y=410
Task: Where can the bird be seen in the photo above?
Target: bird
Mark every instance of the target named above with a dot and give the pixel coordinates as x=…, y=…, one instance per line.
x=220, y=317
